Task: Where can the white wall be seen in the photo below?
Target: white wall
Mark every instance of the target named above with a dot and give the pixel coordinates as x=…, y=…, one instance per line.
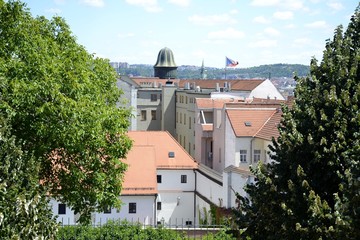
x=177, y=198
x=266, y=90
x=207, y=187
x=145, y=212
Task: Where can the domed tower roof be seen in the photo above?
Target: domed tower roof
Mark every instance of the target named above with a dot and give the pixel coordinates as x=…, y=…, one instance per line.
x=165, y=66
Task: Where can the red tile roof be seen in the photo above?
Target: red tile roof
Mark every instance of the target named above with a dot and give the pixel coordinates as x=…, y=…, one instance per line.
x=150, y=152
x=248, y=122
x=163, y=143
x=239, y=85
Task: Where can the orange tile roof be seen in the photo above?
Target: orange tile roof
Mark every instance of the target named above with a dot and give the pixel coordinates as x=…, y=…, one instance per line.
x=257, y=118
x=163, y=143
x=212, y=102
x=140, y=177
x=207, y=127
x=270, y=129
x=240, y=85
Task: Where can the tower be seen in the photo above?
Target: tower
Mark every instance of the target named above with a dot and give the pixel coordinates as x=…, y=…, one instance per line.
x=165, y=66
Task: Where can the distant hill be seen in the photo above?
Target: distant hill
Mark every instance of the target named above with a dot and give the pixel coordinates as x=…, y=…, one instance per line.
x=193, y=72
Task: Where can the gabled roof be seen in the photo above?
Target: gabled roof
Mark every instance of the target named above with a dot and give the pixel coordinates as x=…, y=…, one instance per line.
x=140, y=177
x=151, y=151
x=249, y=122
x=163, y=145
x=238, y=85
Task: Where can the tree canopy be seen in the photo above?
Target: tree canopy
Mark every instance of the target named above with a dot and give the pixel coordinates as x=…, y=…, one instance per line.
x=312, y=188
x=60, y=103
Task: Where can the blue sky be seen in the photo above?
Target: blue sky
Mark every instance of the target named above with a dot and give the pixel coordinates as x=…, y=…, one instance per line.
x=252, y=32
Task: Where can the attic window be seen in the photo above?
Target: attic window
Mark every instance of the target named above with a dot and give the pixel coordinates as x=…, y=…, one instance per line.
x=248, y=124
x=171, y=154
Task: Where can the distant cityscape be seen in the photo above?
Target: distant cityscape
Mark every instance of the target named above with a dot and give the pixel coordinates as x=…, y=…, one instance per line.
x=281, y=75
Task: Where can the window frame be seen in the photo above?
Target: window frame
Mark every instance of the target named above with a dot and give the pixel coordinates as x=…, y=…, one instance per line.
x=158, y=178
x=183, y=178
x=143, y=115
x=61, y=209
x=153, y=97
x=132, y=207
x=243, y=156
x=257, y=155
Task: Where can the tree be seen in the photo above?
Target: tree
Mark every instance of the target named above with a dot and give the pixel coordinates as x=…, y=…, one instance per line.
x=311, y=190
x=24, y=209
x=60, y=101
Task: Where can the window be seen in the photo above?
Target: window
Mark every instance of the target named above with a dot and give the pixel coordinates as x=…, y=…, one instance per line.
x=171, y=154
x=183, y=178
x=143, y=115
x=188, y=223
x=153, y=97
x=180, y=117
x=158, y=178
x=132, y=207
x=158, y=205
x=153, y=114
x=243, y=154
x=61, y=208
x=186, y=100
x=107, y=210
x=256, y=155
x=189, y=122
x=184, y=119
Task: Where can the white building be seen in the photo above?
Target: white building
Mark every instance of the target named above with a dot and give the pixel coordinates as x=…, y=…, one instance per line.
x=158, y=188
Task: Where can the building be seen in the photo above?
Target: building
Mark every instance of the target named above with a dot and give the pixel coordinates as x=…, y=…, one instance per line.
x=158, y=188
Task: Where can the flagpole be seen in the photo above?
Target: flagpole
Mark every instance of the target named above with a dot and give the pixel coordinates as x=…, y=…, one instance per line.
x=225, y=68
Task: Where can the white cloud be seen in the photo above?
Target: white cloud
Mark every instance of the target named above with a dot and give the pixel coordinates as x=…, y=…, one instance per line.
x=53, y=10
x=337, y=6
x=126, y=35
x=212, y=20
x=94, y=3
x=301, y=41
x=317, y=24
x=229, y=33
x=264, y=43
x=148, y=5
x=290, y=26
x=284, y=15
x=181, y=3
x=271, y=32
x=264, y=3
x=261, y=19
x=293, y=4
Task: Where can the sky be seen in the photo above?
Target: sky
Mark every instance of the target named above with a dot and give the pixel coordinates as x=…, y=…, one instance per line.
x=252, y=32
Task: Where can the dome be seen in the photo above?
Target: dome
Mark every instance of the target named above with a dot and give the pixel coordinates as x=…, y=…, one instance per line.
x=165, y=58
x=165, y=66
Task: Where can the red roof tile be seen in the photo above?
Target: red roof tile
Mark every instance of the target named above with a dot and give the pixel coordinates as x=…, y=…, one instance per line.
x=248, y=122
x=163, y=143
x=239, y=85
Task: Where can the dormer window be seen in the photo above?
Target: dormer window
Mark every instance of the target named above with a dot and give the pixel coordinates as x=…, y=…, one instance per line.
x=171, y=154
x=247, y=124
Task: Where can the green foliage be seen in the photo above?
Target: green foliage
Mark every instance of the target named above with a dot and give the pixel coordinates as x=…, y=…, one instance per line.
x=312, y=189
x=192, y=72
x=61, y=103
x=24, y=209
x=117, y=230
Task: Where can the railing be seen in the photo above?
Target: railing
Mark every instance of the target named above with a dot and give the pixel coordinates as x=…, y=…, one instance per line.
x=185, y=226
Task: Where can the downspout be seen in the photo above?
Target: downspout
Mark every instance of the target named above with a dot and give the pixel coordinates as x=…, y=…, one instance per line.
x=195, y=191
x=155, y=222
x=251, y=150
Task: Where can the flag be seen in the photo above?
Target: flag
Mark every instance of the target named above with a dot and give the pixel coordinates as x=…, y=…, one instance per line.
x=230, y=63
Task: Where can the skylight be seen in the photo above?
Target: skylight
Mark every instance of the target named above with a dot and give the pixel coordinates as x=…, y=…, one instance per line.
x=248, y=124
x=171, y=154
